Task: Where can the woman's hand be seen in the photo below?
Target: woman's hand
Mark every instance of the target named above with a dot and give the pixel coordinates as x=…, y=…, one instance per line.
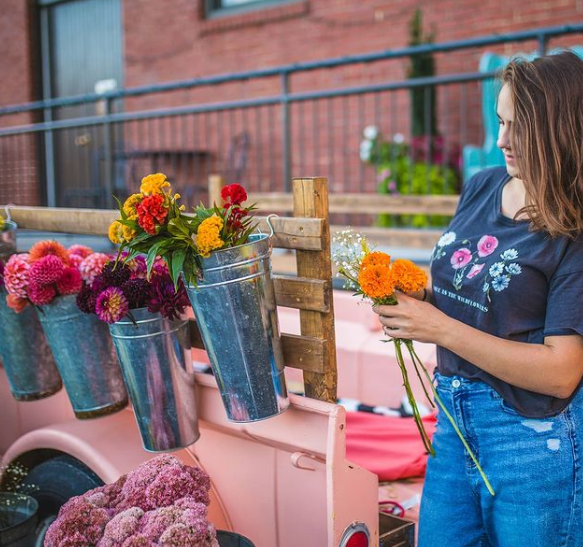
x=413, y=320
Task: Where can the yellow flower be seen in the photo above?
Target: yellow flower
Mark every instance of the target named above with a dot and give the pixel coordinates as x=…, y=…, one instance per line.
x=208, y=236
x=131, y=203
x=116, y=232
x=129, y=233
x=154, y=184
x=1, y=223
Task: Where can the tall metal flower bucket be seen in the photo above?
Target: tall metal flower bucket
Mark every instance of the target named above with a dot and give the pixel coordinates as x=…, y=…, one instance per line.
x=235, y=310
x=8, y=239
x=25, y=354
x=85, y=357
x=154, y=353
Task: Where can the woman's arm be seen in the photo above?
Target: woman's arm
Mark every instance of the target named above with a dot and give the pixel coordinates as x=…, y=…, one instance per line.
x=554, y=368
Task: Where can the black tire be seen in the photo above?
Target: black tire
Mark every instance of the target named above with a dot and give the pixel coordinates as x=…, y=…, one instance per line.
x=55, y=481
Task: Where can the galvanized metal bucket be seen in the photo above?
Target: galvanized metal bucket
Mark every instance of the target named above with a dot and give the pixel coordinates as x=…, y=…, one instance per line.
x=154, y=353
x=236, y=313
x=25, y=354
x=85, y=357
x=8, y=238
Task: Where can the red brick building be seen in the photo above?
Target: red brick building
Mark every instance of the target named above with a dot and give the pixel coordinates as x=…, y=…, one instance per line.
x=173, y=40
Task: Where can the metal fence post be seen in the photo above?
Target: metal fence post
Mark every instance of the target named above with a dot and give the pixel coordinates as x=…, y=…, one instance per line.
x=108, y=144
x=286, y=132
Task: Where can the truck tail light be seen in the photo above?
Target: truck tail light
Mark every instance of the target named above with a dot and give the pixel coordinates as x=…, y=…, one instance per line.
x=356, y=535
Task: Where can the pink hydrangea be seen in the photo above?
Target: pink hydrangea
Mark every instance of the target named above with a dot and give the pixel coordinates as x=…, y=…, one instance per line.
x=16, y=275
x=92, y=266
x=460, y=258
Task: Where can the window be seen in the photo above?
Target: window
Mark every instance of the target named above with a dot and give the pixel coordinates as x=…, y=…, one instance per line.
x=227, y=7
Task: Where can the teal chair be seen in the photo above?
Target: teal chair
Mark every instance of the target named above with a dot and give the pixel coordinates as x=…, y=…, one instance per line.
x=476, y=158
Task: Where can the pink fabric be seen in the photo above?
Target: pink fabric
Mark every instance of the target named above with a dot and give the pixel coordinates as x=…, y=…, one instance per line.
x=387, y=446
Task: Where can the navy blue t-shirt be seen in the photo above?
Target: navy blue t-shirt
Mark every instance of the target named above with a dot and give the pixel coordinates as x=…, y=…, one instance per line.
x=495, y=274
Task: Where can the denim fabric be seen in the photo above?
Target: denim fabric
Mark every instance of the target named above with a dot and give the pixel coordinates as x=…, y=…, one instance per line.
x=534, y=466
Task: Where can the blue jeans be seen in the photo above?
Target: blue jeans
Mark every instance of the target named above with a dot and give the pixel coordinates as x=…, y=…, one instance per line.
x=534, y=466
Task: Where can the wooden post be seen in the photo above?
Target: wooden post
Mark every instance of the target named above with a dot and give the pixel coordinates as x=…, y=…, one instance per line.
x=216, y=184
x=311, y=200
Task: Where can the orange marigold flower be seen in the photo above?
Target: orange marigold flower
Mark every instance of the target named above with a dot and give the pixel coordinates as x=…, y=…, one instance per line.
x=375, y=258
x=376, y=281
x=408, y=276
x=45, y=248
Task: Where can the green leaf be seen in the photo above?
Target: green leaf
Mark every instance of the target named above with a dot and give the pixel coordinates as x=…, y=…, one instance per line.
x=178, y=258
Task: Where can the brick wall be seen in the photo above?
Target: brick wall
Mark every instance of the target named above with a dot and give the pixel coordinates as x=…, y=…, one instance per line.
x=174, y=41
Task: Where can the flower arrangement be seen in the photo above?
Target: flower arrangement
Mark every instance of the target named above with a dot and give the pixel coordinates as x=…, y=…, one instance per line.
x=153, y=223
x=123, y=286
x=409, y=170
x=48, y=270
x=162, y=503
x=375, y=276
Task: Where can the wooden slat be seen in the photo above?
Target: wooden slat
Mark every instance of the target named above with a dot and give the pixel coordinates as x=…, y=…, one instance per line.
x=311, y=200
x=397, y=237
x=295, y=233
x=301, y=293
x=301, y=352
x=60, y=219
x=365, y=203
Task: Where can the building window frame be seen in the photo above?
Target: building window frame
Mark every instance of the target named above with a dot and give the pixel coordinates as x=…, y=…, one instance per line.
x=214, y=8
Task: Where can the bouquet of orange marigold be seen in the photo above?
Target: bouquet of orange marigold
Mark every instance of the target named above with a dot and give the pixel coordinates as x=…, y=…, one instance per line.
x=153, y=223
x=374, y=276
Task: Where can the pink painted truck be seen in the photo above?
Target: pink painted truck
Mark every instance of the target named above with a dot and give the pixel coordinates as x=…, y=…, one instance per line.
x=281, y=482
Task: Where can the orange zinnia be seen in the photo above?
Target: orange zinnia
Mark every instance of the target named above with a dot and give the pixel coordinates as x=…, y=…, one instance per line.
x=376, y=281
x=408, y=277
x=375, y=258
x=44, y=248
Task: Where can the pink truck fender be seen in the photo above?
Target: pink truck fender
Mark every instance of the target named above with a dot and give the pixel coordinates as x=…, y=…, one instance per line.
x=281, y=482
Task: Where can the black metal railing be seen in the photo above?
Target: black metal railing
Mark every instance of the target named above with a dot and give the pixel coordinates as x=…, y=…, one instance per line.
x=79, y=151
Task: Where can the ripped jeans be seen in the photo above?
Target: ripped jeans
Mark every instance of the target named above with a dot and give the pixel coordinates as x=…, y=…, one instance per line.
x=534, y=466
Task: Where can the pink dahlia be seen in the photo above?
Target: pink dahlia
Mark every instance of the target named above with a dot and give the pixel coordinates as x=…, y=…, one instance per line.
x=75, y=260
x=16, y=275
x=111, y=305
x=45, y=248
x=46, y=270
x=16, y=303
x=92, y=266
x=70, y=281
x=41, y=295
x=79, y=250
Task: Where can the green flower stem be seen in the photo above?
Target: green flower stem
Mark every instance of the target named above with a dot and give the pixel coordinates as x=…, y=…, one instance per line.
x=409, y=345
x=415, y=357
x=416, y=415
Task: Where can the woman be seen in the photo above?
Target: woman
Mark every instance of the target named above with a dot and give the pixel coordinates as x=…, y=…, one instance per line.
x=506, y=312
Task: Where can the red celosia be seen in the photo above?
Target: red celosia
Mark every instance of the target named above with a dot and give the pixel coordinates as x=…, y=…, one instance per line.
x=46, y=270
x=151, y=211
x=234, y=194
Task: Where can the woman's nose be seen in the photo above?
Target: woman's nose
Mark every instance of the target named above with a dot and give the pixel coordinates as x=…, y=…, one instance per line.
x=503, y=138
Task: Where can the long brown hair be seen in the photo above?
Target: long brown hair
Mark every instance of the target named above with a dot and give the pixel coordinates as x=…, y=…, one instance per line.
x=547, y=139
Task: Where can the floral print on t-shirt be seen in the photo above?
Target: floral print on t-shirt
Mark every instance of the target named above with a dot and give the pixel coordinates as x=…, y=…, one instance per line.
x=469, y=263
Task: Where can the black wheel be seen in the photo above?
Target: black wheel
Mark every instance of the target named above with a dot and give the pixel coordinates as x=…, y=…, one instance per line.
x=55, y=481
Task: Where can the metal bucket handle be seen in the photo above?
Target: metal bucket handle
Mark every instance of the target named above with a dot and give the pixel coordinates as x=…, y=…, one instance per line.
x=7, y=209
x=271, y=229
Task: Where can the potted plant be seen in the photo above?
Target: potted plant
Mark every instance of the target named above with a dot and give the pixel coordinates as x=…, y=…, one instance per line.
x=151, y=337
x=225, y=264
x=49, y=277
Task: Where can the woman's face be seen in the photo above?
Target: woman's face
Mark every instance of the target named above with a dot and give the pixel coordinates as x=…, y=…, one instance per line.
x=505, y=112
